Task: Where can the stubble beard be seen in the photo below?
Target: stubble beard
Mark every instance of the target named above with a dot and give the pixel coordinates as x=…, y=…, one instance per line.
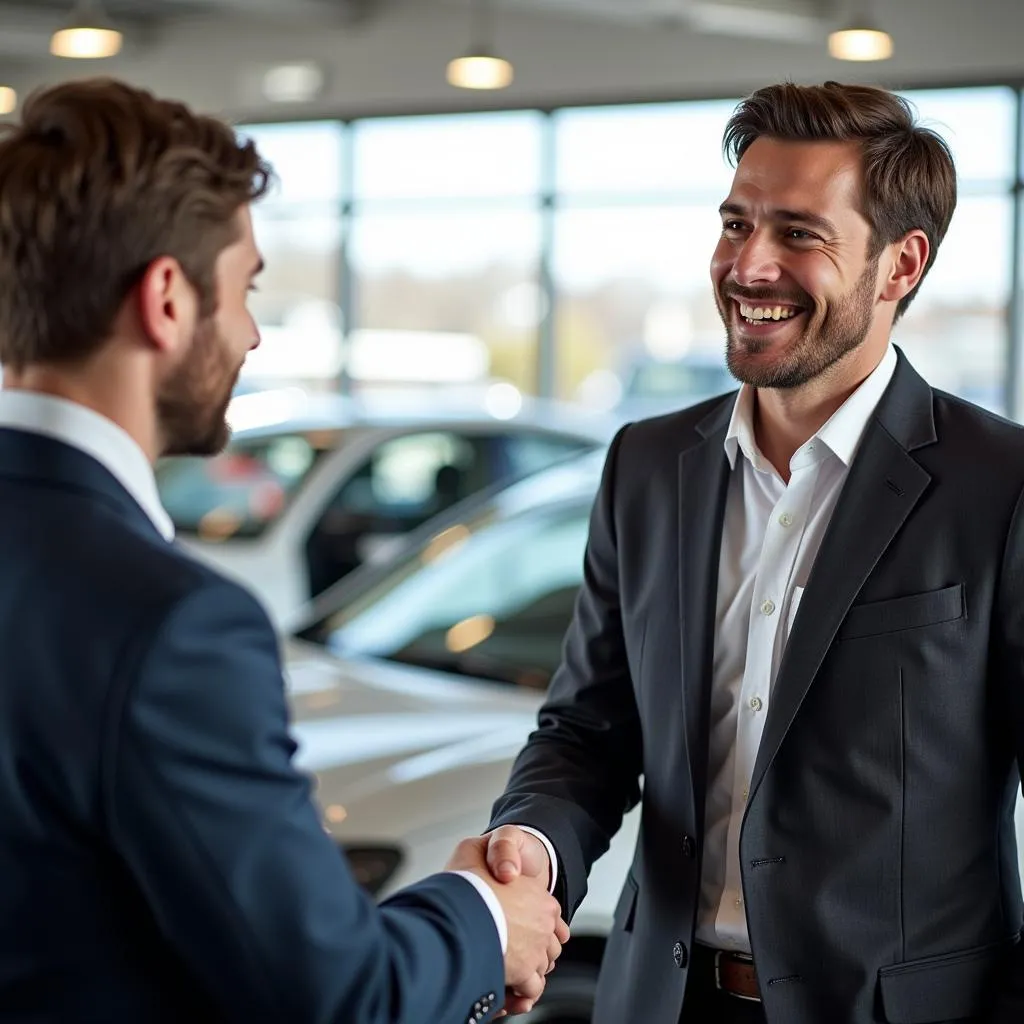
x=845, y=326
x=193, y=403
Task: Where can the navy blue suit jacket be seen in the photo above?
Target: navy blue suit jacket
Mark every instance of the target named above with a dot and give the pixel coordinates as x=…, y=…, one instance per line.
x=160, y=857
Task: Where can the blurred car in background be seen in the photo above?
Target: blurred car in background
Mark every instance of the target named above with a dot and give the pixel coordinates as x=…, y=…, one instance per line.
x=652, y=386
x=446, y=654
x=415, y=684
x=312, y=486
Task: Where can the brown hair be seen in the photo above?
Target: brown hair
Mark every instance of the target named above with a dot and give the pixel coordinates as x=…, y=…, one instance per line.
x=98, y=180
x=909, y=176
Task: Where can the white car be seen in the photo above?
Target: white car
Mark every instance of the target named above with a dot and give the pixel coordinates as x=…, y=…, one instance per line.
x=312, y=486
x=444, y=658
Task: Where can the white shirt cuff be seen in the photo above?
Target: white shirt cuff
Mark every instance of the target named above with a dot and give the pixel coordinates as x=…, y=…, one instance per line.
x=552, y=859
x=493, y=905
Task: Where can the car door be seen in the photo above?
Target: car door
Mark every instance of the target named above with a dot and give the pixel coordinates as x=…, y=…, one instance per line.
x=402, y=483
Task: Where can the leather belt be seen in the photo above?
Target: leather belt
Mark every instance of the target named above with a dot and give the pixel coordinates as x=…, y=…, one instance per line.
x=734, y=972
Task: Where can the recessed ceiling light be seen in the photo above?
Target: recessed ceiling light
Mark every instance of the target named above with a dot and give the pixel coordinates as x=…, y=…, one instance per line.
x=293, y=83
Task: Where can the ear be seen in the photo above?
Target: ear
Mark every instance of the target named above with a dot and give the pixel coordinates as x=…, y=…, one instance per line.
x=907, y=259
x=168, y=305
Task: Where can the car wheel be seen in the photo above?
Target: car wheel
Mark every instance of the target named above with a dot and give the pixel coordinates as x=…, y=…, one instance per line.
x=568, y=997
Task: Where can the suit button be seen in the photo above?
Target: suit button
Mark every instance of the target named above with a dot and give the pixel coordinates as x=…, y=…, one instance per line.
x=689, y=848
x=680, y=955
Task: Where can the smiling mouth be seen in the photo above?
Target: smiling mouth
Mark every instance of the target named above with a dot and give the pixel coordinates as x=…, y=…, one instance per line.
x=768, y=314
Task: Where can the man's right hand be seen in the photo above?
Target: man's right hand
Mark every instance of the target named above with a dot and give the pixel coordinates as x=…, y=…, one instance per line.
x=536, y=931
x=511, y=852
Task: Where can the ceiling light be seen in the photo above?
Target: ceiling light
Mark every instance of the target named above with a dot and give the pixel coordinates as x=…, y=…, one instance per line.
x=480, y=67
x=87, y=36
x=293, y=83
x=862, y=39
x=8, y=99
x=479, y=71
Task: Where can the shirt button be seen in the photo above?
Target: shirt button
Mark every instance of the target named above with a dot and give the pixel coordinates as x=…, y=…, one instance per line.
x=746, y=792
x=810, y=447
x=755, y=704
x=768, y=606
x=738, y=902
x=785, y=519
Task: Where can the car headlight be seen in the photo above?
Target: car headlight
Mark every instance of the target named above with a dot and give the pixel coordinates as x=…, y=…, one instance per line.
x=373, y=866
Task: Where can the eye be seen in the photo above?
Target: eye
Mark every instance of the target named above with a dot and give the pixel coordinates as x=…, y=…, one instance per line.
x=253, y=287
x=733, y=226
x=800, y=235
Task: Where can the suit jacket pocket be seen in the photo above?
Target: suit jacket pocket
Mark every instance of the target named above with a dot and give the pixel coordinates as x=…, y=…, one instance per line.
x=625, y=909
x=942, y=988
x=898, y=613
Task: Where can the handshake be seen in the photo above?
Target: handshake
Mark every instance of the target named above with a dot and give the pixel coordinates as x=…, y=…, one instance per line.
x=515, y=865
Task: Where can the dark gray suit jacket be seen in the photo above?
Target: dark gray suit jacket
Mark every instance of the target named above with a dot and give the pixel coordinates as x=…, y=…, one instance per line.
x=878, y=855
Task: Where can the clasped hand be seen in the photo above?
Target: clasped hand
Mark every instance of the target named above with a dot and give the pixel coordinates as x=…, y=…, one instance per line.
x=515, y=865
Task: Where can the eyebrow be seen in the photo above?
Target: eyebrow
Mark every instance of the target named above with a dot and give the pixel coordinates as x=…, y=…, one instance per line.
x=258, y=269
x=814, y=220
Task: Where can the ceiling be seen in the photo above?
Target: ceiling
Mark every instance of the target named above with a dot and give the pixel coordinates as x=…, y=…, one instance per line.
x=25, y=25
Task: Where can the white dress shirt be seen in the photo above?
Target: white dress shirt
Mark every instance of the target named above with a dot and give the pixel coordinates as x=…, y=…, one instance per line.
x=89, y=432
x=771, y=535
x=118, y=452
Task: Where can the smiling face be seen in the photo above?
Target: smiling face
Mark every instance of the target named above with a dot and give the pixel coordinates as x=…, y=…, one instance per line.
x=795, y=285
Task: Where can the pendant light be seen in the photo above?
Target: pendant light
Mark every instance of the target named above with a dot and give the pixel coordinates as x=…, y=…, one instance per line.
x=88, y=34
x=862, y=39
x=480, y=67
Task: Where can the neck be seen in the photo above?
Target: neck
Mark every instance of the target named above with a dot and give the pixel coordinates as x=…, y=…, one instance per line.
x=787, y=418
x=112, y=387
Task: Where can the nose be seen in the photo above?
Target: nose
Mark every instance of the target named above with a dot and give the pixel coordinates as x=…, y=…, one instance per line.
x=756, y=261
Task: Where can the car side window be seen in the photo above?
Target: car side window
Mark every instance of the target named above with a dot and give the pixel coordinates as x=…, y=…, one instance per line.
x=404, y=482
x=527, y=453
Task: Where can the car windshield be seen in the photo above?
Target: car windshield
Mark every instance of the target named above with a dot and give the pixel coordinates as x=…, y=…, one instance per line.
x=490, y=597
x=242, y=491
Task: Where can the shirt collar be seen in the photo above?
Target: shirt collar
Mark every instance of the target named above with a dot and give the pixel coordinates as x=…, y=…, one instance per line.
x=841, y=433
x=89, y=432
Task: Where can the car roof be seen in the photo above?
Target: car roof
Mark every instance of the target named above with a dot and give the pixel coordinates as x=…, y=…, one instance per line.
x=287, y=410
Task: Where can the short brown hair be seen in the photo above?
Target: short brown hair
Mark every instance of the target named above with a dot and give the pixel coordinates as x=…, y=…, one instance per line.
x=98, y=180
x=909, y=176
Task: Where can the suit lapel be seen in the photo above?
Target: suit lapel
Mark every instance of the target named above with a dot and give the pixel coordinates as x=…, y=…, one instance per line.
x=703, y=486
x=883, y=486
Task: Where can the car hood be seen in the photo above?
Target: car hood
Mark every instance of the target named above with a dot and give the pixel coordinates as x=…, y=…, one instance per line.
x=377, y=735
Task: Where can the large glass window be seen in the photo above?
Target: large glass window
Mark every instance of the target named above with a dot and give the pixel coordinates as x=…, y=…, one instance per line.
x=299, y=231
x=955, y=332
x=638, y=191
x=445, y=250
x=568, y=252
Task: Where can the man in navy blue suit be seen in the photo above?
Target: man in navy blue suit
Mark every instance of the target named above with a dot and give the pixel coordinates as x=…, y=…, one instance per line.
x=160, y=857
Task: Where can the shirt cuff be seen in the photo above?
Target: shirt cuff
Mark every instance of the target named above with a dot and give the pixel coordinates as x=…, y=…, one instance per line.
x=493, y=905
x=552, y=859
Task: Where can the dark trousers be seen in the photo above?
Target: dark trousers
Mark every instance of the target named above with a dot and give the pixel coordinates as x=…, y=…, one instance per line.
x=705, y=1004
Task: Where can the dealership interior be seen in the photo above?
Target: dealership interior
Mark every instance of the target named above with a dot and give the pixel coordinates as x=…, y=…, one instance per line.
x=487, y=248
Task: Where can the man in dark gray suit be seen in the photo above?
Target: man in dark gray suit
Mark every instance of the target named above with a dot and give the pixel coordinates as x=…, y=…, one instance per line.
x=160, y=857
x=802, y=624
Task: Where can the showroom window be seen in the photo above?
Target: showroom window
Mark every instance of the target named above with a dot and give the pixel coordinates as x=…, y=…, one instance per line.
x=567, y=252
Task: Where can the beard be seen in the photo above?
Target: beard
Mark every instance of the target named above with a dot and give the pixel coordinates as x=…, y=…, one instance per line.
x=842, y=329
x=193, y=402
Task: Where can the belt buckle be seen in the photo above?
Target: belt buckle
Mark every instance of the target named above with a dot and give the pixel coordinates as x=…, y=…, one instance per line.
x=718, y=975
